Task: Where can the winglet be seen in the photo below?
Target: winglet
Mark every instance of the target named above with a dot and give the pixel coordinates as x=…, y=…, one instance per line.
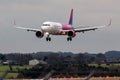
x=14, y=22
x=109, y=23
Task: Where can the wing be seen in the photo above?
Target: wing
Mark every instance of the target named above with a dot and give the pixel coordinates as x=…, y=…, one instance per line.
x=78, y=29
x=28, y=29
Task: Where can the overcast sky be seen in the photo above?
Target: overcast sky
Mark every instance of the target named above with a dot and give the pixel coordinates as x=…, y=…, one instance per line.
x=32, y=13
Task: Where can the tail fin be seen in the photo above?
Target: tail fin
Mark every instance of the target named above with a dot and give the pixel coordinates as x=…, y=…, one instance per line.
x=71, y=17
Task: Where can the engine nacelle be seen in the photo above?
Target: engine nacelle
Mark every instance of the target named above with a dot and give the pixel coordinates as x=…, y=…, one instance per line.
x=71, y=33
x=39, y=34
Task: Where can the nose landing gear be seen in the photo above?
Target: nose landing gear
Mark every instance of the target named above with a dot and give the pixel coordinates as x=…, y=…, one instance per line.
x=48, y=38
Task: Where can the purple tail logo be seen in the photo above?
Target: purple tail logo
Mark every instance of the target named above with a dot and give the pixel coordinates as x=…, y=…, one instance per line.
x=71, y=17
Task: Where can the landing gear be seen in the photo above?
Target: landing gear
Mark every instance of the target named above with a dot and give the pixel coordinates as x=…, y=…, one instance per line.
x=48, y=39
x=69, y=39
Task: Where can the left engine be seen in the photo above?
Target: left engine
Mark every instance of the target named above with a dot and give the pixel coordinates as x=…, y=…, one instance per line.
x=71, y=33
x=39, y=34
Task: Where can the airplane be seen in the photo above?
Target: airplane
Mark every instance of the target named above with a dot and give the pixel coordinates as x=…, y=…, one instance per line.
x=55, y=28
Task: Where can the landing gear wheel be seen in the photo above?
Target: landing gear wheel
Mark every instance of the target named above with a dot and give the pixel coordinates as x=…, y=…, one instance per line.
x=48, y=39
x=69, y=39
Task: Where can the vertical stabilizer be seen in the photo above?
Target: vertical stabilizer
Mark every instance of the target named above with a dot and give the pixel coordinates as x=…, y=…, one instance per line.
x=71, y=17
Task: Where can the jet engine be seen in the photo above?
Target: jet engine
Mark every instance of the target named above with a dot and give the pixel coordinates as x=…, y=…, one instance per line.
x=71, y=33
x=39, y=34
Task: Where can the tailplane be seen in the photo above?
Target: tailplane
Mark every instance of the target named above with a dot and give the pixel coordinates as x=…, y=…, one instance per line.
x=71, y=17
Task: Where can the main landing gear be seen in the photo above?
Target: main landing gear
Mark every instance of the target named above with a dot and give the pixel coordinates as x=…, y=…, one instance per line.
x=48, y=39
x=69, y=39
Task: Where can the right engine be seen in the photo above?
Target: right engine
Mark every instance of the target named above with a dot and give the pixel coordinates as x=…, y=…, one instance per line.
x=71, y=33
x=39, y=34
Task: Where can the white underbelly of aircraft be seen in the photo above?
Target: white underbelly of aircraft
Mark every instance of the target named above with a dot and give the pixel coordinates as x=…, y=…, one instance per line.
x=54, y=32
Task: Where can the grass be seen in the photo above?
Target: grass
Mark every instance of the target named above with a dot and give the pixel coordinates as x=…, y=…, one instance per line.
x=4, y=68
x=14, y=75
x=104, y=65
x=11, y=75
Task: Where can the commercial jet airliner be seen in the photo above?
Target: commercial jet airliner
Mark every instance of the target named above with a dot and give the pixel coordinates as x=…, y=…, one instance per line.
x=54, y=28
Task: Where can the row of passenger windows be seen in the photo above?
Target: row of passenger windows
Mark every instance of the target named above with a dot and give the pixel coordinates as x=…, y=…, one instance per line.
x=46, y=24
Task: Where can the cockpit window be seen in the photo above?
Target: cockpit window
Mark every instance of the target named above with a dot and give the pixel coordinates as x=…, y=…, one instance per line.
x=46, y=24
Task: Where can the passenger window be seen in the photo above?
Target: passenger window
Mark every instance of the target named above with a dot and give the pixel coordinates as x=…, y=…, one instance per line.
x=46, y=24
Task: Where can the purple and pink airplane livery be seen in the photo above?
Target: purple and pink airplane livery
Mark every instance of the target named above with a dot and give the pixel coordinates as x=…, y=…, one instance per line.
x=54, y=28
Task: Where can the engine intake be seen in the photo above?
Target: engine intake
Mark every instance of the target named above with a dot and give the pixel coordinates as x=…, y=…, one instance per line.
x=39, y=34
x=71, y=33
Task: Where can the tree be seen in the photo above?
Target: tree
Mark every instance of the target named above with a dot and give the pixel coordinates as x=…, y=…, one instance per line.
x=100, y=58
x=80, y=58
x=2, y=57
x=54, y=60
